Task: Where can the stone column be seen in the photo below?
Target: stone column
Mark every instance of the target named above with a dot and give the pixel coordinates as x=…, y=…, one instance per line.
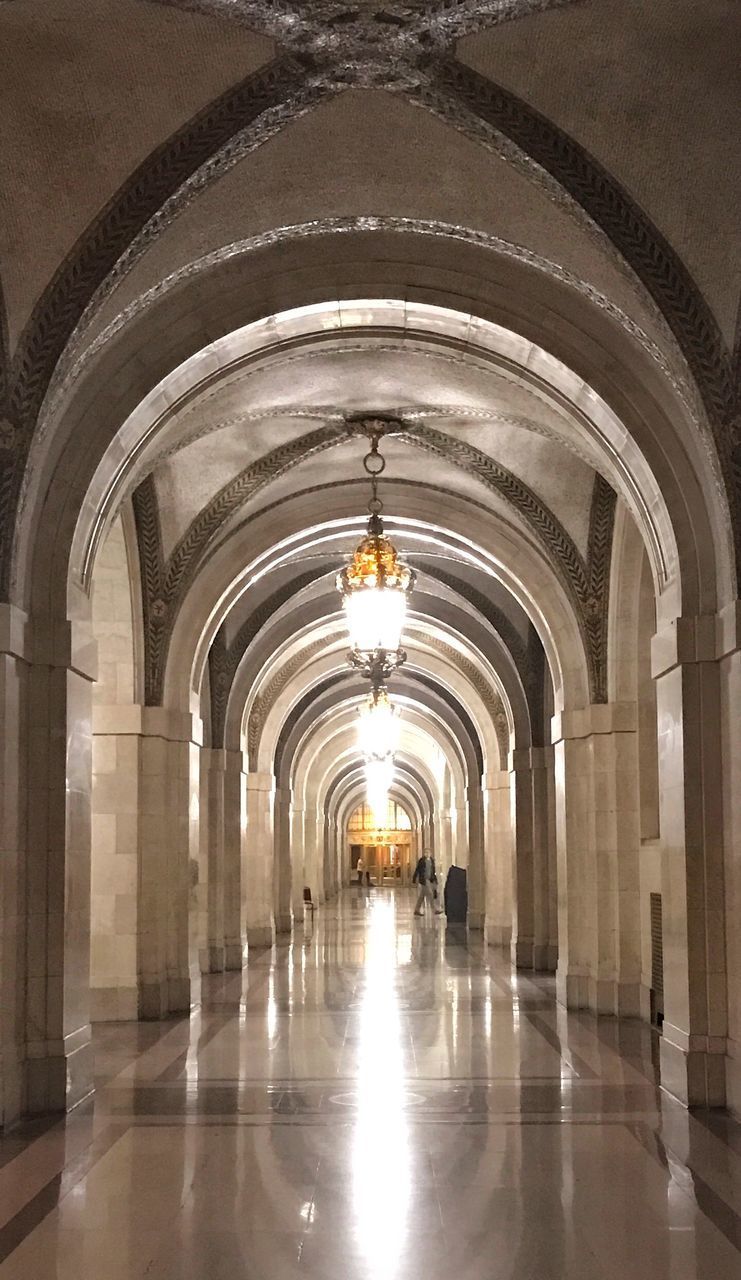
x=257, y=859
x=530, y=872
x=523, y=856
x=729, y=648
x=545, y=952
x=58, y=1049
x=210, y=954
x=168, y=844
x=446, y=852
x=282, y=878
x=329, y=859
x=234, y=817
x=597, y=834
x=693, y=1043
x=476, y=859
x=297, y=862
x=498, y=851
x=14, y=756
x=313, y=866
x=114, y=930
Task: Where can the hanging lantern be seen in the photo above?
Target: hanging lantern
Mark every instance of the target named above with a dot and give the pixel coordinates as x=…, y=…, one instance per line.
x=379, y=775
x=375, y=587
x=379, y=726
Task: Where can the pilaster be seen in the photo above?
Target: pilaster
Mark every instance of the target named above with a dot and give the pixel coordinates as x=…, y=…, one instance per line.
x=597, y=832
x=257, y=860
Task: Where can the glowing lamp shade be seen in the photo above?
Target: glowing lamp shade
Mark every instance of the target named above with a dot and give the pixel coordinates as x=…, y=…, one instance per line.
x=378, y=730
x=374, y=589
x=375, y=618
x=379, y=774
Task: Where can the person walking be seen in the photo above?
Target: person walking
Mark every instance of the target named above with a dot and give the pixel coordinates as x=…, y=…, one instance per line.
x=426, y=877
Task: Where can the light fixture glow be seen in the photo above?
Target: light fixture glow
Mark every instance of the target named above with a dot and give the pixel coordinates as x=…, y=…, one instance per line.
x=379, y=726
x=375, y=584
x=379, y=775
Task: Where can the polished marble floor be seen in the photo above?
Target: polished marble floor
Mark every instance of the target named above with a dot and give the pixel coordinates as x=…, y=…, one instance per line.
x=379, y=1099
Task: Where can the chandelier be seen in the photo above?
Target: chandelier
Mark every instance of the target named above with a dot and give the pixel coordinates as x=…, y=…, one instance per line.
x=375, y=585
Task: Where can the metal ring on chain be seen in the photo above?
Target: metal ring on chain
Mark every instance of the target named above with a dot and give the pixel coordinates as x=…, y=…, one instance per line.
x=378, y=469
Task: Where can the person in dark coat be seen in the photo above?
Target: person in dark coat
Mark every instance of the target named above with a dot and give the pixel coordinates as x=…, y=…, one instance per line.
x=426, y=877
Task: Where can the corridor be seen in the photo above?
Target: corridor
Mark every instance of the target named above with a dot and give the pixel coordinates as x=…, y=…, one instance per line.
x=380, y=1099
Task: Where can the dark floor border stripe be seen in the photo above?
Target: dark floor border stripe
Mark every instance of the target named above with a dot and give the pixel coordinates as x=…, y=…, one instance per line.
x=17, y=1228
x=721, y=1214
x=567, y=1055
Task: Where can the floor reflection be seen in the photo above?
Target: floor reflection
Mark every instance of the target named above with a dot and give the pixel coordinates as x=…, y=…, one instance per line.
x=378, y=1097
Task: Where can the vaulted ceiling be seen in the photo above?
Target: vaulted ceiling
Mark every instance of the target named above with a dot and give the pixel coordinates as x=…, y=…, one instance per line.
x=146, y=142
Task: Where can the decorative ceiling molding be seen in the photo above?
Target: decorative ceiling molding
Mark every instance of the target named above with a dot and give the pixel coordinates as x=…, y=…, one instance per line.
x=465, y=414
x=225, y=659
x=266, y=698
x=204, y=148
x=599, y=564
x=72, y=362
x=401, y=47
x=489, y=696
x=581, y=579
x=549, y=530
x=642, y=245
x=139, y=200
x=384, y=46
x=529, y=658
x=152, y=575
x=168, y=582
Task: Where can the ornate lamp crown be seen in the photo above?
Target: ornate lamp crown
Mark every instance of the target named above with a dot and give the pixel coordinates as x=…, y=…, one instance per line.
x=375, y=585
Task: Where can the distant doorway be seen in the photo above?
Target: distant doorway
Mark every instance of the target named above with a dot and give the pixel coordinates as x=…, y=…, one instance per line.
x=384, y=852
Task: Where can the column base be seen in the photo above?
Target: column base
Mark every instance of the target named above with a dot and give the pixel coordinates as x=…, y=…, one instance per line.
x=114, y=1004
x=476, y=919
x=178, y=994
x=603, y=996
x=694, y=1074
x=11, y=1086
x=164, y=997
x=212, y=959
x=498, y=935
x=522, y=952
x=152, y=1003
x=284, y=923
x=259, y=936
x=614, y=999
x=733, y=1079
x=572, y=989
x=545, y=957
x=61, y=1081
x=233, y=956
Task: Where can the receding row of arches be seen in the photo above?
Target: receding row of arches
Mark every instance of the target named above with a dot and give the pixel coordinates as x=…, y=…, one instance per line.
x=185, y=745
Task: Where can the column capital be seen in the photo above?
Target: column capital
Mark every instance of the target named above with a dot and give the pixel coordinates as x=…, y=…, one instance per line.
x=222, y=760
x=525, y=758
x=61, y=642
x=495, y=780
x=597, y=718
x=148, y=722
x=704, y=637
x=259, y=781
x=14, y=632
